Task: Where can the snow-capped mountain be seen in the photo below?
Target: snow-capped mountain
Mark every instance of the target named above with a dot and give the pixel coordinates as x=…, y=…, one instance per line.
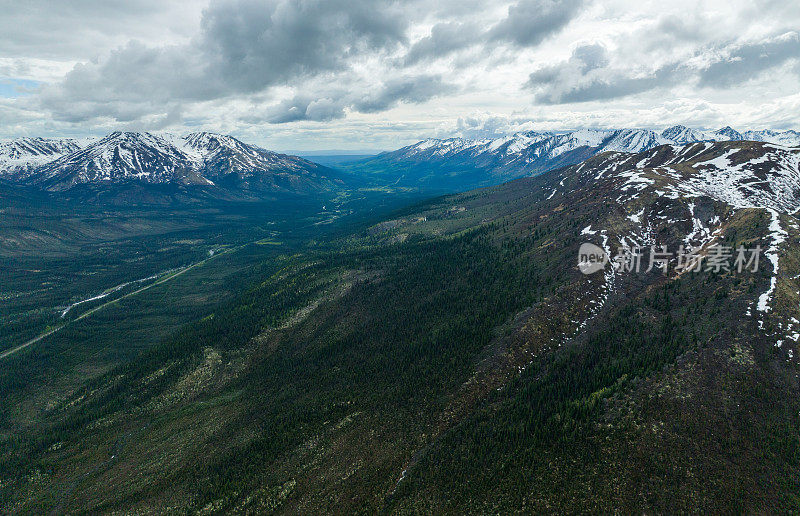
x=205, y=158
x=633, y=140
x=725, y=134
x=680, y=134
x=620, y=140
x=121, y=156
x=458, y=163
x=21, y=156
x=197, y=159
x=226, y=160
x=785, y=138
x=210, y=148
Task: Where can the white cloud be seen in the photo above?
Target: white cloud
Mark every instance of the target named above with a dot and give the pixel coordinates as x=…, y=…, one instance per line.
x=339, y=73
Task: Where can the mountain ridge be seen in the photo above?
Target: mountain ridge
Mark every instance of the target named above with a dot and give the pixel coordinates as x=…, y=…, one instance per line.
x=216, y=160
x=19, y=157
x=200, y=158
x=459, y=164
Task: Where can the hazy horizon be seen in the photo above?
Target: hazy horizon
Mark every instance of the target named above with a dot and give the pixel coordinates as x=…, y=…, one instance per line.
x=300, y=150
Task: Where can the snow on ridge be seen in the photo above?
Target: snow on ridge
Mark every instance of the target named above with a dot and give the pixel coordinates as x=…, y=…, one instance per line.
x=767, y=180
x=590, y=137
x=160, y=157
x=771, y=179
x=18, y=157
x=553, y=144
x=777, y=236
x=734, y=184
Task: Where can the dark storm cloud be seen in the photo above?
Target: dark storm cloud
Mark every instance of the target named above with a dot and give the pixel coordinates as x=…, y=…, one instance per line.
x=405, y=89
x=301, y=108
x=585, y=77
x=445, y=38
x=529, y=22
x=607, y=88
x=248, y=46
x=237, y=63
x=526, y=24
x=745, y=62
x=332, y=105
x=244, y=46
x=318, y=60
x=255, y=44
x=588, y=75
x=590, y=57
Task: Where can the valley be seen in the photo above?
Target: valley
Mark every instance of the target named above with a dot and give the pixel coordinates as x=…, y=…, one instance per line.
x=129, y=277
x=438, y=354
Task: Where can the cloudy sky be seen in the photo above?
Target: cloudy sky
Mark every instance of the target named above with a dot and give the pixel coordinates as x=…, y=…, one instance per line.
x=378, y=74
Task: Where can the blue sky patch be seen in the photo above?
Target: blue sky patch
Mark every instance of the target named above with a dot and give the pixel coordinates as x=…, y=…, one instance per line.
x=10, y=88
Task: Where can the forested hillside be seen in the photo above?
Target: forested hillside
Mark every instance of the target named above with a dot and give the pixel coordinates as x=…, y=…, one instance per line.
x=453, y=358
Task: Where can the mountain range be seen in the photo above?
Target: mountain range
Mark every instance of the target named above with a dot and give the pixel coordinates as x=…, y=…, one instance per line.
x=459, y=164
x=202, y=158
x=209, y=159
x=21, y=156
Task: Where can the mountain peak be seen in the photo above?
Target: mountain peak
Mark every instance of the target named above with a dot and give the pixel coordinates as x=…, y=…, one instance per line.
x=202, y=158
x=121, y=156
x=20, y=156
x=680, y=134
x=728, y=133
x=205, y=138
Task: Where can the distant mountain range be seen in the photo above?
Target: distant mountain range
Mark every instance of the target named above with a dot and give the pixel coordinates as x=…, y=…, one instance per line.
x=202, y=158
x=458, y=164
x=218, y=161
